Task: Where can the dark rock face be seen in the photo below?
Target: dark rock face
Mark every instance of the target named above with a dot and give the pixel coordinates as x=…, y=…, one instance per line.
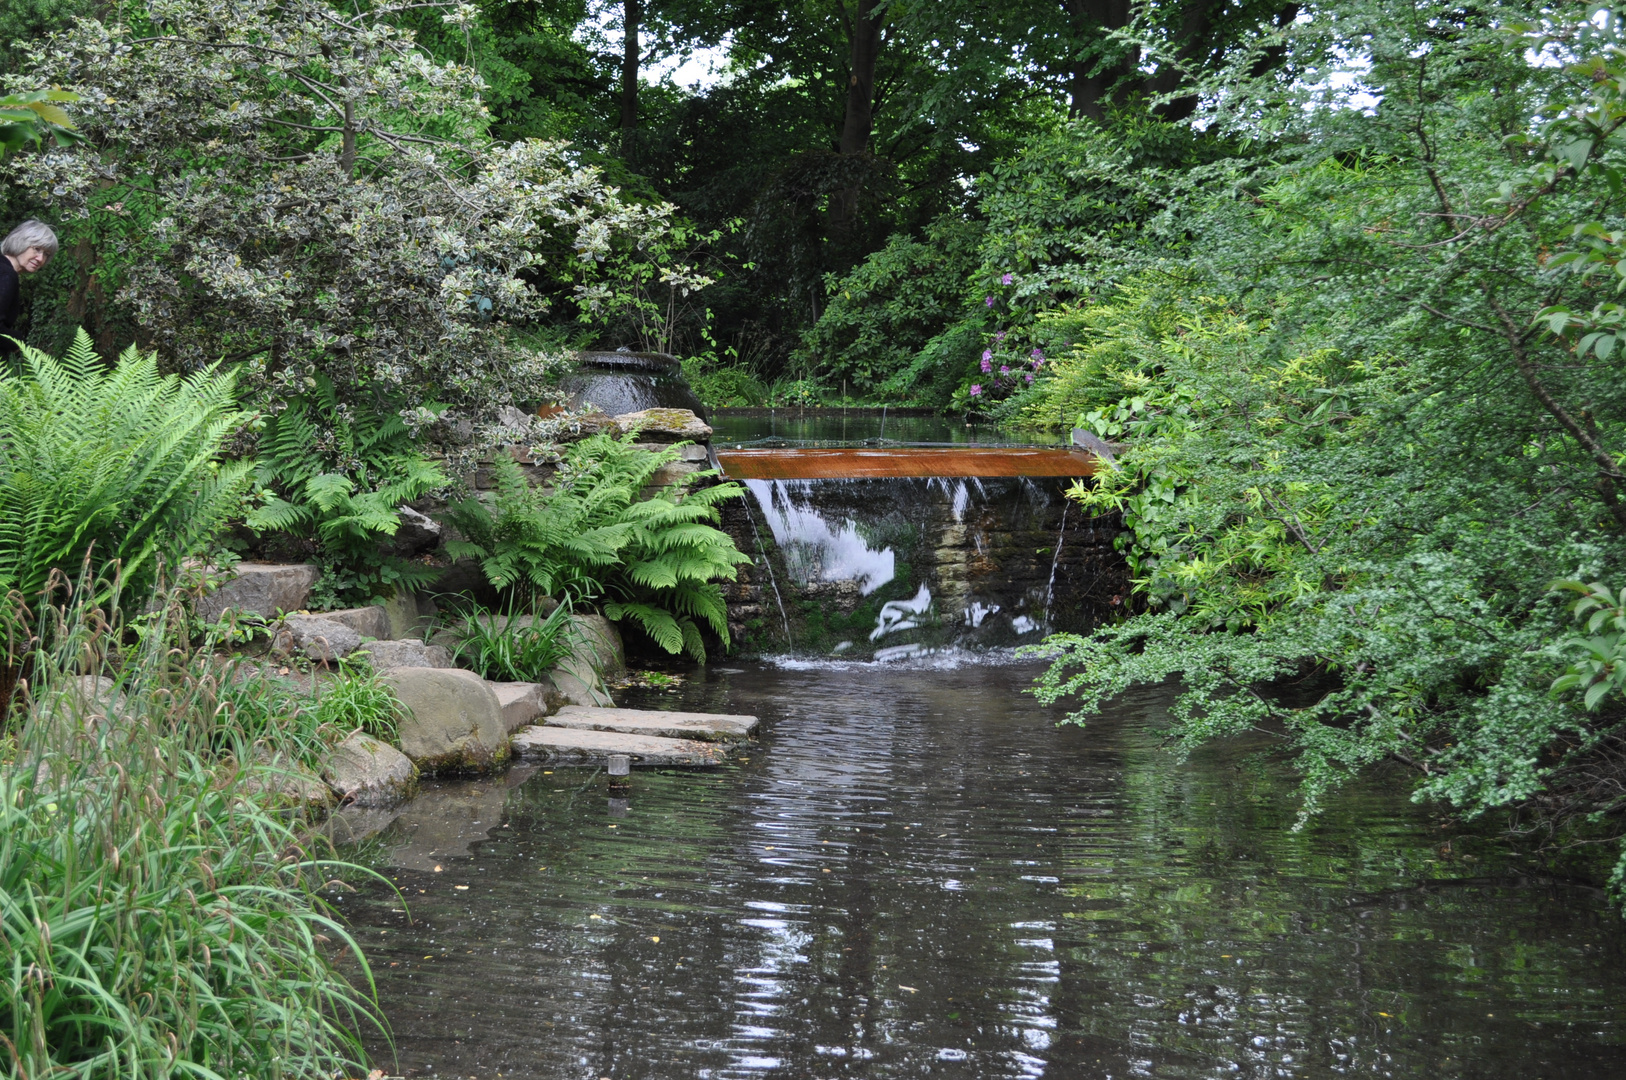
x=885, y=568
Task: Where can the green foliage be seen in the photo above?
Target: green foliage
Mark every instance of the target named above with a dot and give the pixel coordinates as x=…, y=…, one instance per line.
x=117, y=466
x=32, y=117
x=339, y=476
x=303, y=189
x=357, y=700
x=511, y=647
x=655, y=561
x=159, y=914
x=883, y=313
x=723, y=385
x=1364, y=426
x=1598, y=654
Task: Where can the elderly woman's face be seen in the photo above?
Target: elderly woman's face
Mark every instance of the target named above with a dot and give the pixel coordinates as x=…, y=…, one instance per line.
x=33, y=260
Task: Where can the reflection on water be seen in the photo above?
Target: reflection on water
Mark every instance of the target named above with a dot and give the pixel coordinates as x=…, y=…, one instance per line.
x=917, y=874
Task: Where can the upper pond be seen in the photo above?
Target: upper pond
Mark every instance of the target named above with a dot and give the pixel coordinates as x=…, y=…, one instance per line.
x=858, y=427
x=917, y=873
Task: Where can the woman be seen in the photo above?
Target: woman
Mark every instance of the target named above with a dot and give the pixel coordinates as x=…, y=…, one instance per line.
x=26, y=250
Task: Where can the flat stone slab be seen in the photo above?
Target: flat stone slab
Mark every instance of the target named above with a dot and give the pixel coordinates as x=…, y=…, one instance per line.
x=567, y=746
x=705, y=727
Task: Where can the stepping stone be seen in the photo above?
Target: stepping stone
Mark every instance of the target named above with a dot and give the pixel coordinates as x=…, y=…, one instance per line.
x=707, y=727
x=569, y=747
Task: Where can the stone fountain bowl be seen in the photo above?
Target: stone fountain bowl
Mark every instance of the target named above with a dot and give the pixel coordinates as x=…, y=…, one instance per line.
x=623, y=382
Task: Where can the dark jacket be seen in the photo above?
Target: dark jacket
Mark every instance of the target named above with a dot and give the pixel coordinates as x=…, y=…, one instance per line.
x=11, y=304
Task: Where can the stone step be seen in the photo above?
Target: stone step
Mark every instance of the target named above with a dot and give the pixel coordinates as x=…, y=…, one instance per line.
x=567, y=746
x=707, y=727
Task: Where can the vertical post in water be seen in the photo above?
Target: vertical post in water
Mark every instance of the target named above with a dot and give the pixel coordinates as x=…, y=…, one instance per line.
x=620, y=765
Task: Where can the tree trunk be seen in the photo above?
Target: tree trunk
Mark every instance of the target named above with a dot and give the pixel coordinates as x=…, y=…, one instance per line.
x=1195, y=24
x=1091, y=84
x=347, y=147
x=859, y=120
x=632, y=10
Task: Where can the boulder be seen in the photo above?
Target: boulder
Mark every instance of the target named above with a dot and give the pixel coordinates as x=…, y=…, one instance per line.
x=417, y=532
x=264, y=589
x=600, y=644
x=384, y=655
x=288, y=782
x=597, y=656
x=370, y=622
x=453, y=722
x=405, y=612
x=83, y=703
x=321, y=638
x=365, y=772
x=665, y=425
x=575, y=690
x=525, y=702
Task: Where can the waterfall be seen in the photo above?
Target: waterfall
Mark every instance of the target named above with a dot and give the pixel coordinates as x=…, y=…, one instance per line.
x=1055, y=559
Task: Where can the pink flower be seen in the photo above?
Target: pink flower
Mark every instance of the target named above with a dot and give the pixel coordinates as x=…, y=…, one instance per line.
x=999, y=335
x=1006, y=280
x=1030, y=376
x=976, y=389
x=987, y=354
x=987, y=366
x=989, y=300
x=1037, y=355
x=1004, y=369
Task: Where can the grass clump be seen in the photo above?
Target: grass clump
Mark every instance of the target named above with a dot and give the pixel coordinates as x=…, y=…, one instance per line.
x=357, y=700
x=515, y=648
x=157, y=916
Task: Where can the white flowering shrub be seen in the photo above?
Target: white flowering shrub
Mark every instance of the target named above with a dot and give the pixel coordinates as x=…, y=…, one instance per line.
x=298, y=188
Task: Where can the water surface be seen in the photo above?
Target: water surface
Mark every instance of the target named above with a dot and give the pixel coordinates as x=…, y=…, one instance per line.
x=860, y=427
x=915, y=873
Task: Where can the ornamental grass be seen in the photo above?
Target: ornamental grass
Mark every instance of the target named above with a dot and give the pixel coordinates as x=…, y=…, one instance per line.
x=160, y=904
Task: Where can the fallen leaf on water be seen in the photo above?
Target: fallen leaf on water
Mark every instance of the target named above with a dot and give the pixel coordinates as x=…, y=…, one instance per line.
x=437, y=868
x=911, y=989
x=461, y=888
x=1383, y=1014
x=595, y=916
x=656, y=939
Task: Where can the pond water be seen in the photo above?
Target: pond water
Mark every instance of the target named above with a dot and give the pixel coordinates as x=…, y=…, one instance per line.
x=916, y=873
x=734, y=428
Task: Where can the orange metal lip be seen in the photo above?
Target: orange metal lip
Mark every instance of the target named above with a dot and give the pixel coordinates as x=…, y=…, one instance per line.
x=855, y=463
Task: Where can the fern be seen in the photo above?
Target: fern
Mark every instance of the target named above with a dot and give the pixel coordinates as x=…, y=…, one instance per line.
x=119, y=466
x=654, y=562
x=339, y=476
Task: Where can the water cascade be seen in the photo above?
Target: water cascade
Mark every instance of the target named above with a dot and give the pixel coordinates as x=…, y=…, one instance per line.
x=884, y=550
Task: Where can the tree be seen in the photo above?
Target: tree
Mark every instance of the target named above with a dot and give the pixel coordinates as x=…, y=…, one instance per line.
x=302, y=191
x=1372, y=418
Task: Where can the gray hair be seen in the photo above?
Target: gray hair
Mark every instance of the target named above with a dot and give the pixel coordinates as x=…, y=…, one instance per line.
x=30, y=234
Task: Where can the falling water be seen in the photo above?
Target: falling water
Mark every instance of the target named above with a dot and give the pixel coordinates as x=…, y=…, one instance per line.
x=1055, y=560
x=772, y=583
x=888, y=567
